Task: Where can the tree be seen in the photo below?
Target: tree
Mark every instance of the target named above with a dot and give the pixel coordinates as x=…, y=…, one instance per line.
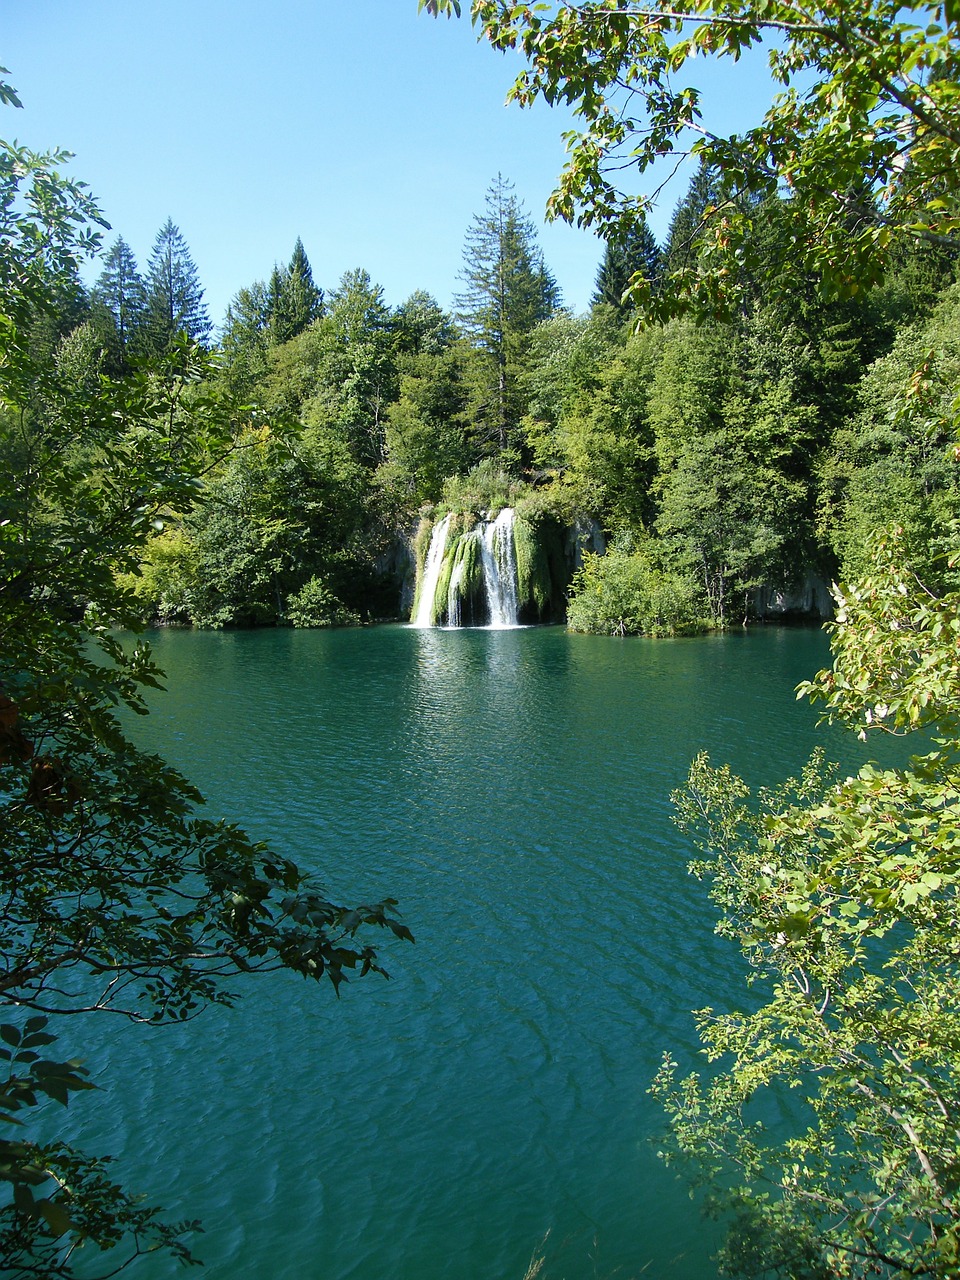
x=635, y=254
x=726, y=440
x=174, y=303
x=294, y=301
x=428, y=432
x=356, y=373
x=892, y=459
x=508, y=292
x=245, y=339
x=843, y=895
x=281, y=510
x=864, y=139
x=117, y=895
x=681, y=248
x=119, y=298
x=422, y=327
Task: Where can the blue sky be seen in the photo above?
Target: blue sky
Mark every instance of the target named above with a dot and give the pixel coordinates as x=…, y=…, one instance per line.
x=366, y=129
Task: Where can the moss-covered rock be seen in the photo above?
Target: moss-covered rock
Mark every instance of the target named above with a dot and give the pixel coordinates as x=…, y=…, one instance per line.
x=542, y=570
x=461, y=595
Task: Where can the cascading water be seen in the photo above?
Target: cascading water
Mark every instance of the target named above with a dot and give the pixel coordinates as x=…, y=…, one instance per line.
x=500, y=570
x=481, y=575
x=431, y=574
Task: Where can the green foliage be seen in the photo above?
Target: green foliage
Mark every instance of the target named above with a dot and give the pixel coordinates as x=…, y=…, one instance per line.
x=118, y=302
x=542, y=573
x=727, y=434
x=167, y=579
x=635, y=254
x=486, y=487
x=428, y=434
x=315, y=605
x=354, y=375
x=508, y=292
x=281, y=509
x=623, y=593
x=174, y=296
x=865, y=136
x=293, y=300
x=892, y=462
x=843, y=895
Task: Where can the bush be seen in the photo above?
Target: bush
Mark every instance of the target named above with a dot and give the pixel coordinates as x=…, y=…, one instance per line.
x=486, y=488
x=315, y=605
x=622, y=593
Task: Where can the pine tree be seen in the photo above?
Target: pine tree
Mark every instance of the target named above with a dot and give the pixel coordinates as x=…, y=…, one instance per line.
x=295, y=301
x=636, y=254
x=509, y=291
x=174, y=301
x=118, y=305
x=686, y=225
x=244, y=338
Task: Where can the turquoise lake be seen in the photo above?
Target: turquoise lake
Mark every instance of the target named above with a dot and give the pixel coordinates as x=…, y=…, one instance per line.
x=511, y=789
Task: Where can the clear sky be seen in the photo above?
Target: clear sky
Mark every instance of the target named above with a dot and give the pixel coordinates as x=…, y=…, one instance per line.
x=369, y=131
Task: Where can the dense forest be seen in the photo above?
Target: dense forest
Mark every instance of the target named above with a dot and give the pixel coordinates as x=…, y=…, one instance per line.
x=724, y=463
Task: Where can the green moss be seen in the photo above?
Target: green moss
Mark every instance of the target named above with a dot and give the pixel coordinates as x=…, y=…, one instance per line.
x=464, y=561
x=541, y=564
x=469, y=555
x=443, y=582
x=421, y=541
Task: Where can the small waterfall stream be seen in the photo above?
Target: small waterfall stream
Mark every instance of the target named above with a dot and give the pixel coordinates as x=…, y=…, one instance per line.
x=500, y=570
x=480, y=567
x=431, y=574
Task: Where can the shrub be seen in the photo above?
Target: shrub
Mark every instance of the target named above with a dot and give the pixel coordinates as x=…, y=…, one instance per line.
x=622, y=593
x=315, y=605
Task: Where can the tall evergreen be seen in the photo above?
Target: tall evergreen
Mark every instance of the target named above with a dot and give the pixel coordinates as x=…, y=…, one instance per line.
x=244, y=338
x=174, y=302
x=635, y=254
x=118, y=305
x=686, y=225
x=509, y=291
x=295, y=301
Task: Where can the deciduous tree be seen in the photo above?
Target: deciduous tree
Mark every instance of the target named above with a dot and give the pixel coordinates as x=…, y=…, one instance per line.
x=843, y=895
x=863, y=139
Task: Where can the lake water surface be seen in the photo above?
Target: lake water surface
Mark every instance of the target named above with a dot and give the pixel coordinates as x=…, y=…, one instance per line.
x=511, y=789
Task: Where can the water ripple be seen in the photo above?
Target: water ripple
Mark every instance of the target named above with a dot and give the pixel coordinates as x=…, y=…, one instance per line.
x=511, y=788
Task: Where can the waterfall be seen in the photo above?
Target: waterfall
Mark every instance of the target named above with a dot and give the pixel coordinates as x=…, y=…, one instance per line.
x=481, y=568
x=426, y=605
x=455, y=588
x=500, y=570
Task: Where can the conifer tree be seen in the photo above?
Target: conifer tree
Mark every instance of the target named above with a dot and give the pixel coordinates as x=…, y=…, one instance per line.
x=688, y=221
x=509, y=291
x=118, y=305
x=244, y=338
x=625, y=257
x=294, y=299
x=174, y=302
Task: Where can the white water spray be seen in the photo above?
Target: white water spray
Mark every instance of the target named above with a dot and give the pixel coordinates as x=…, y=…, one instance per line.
x=500, y=570
x=431, y=574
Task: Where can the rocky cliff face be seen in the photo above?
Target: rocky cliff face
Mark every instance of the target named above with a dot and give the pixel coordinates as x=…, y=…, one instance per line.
x=811, y=600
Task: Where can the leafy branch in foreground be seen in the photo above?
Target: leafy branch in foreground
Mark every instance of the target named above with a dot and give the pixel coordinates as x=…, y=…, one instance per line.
x=863, y=141
x=843, y=896
x=116, y=893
